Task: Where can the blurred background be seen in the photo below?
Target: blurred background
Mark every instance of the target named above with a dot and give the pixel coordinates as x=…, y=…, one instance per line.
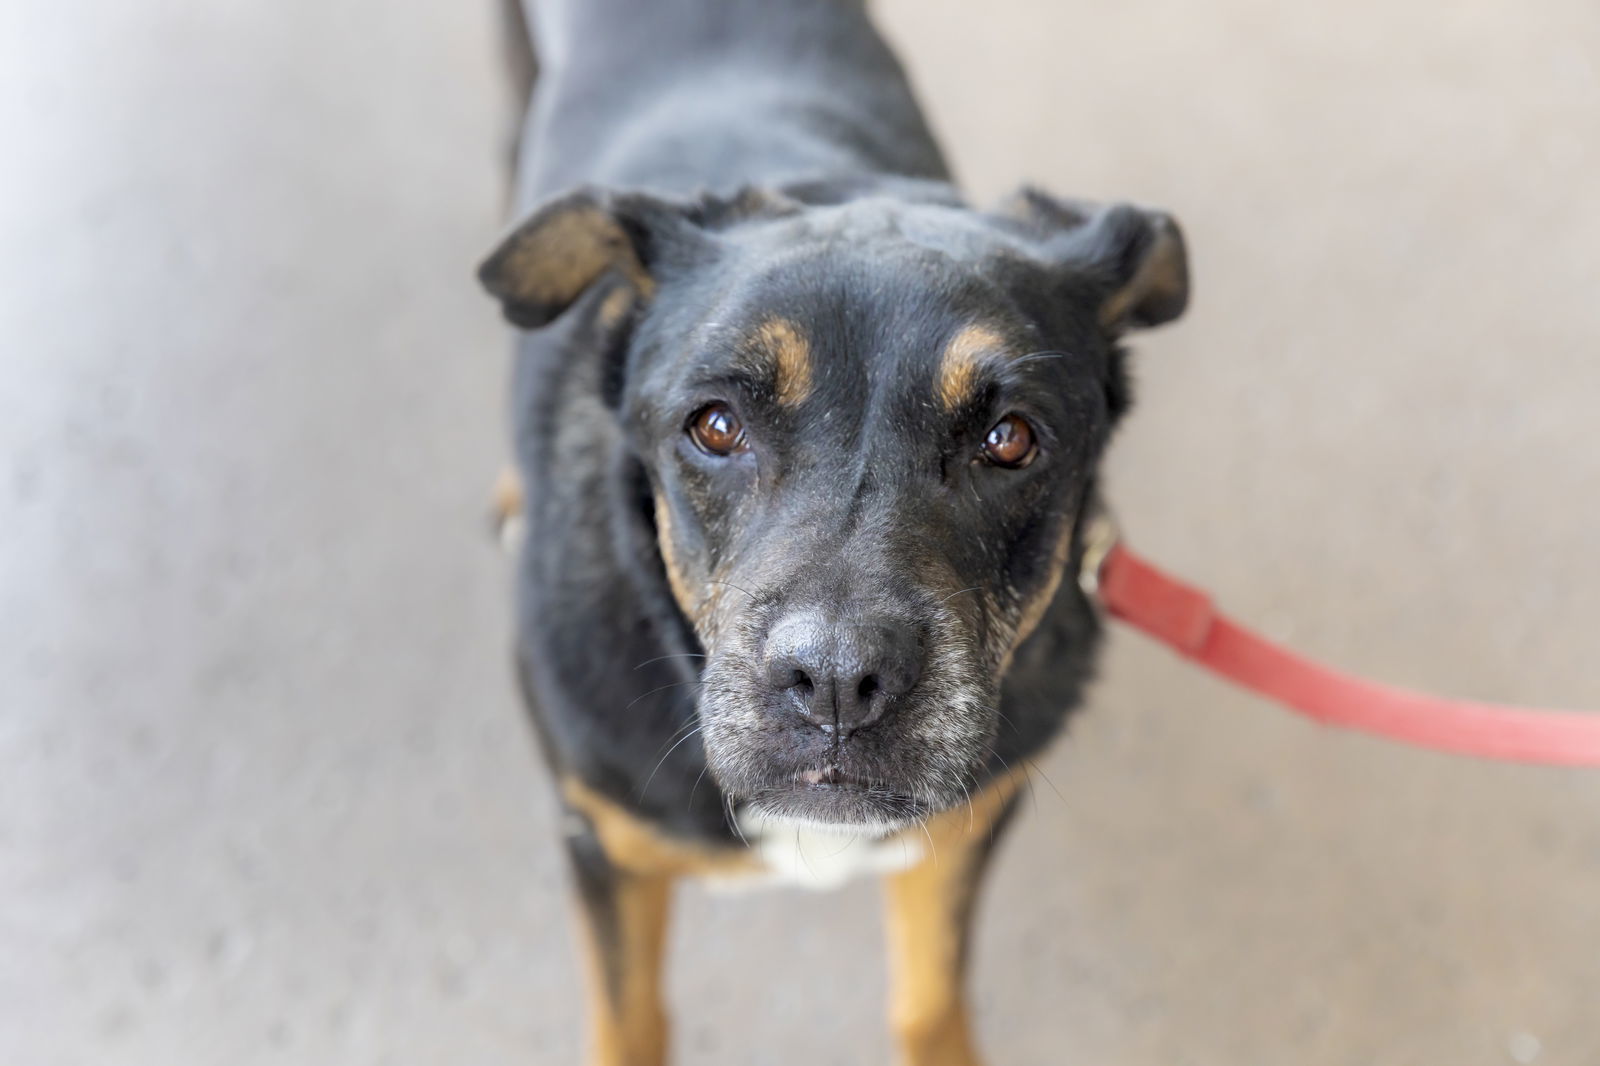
x=266, y=794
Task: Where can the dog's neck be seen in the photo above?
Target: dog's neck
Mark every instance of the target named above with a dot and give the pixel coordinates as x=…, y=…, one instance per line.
x=684, y=96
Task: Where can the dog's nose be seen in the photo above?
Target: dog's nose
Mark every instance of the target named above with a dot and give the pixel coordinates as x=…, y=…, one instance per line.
x=842, y=674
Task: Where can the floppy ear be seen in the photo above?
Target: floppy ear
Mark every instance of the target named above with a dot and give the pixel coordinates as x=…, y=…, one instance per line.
x=1136, y=254
x=576, y=239
x=570, y=243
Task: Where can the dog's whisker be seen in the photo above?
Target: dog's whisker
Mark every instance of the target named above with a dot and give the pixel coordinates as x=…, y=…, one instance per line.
x=679, y=731
x=675, y=655
x=1034, y=766
x=701, y=776
x=1027, y=779
x=661, y=688
x=646, y=787
x=730, y=584
x=933, y=849
x=953, y=595
x=1036, y=356
x=733, y=819
x=845, y=846
x=800, y=850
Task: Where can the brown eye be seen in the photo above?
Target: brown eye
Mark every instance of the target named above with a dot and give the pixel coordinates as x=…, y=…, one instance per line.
x=1010, y=443
x=717, y=430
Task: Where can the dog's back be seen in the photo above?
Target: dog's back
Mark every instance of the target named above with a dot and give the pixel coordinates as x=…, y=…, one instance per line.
x=680, y=96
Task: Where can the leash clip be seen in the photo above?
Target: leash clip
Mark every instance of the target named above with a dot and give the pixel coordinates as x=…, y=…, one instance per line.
x=1101, y=535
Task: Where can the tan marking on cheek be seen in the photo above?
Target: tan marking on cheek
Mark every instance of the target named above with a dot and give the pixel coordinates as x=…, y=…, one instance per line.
x=634, y=845
x=699, y=601
x=782, y=344
x=677, y=581
x=963, y=357
x=1034, y=610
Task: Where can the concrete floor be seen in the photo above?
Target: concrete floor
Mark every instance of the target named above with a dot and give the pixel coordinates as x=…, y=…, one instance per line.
x=265, y=794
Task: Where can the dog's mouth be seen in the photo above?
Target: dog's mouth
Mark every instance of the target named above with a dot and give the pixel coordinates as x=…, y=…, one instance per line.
x=830, y=777
x=831, y=799
x=885, y=779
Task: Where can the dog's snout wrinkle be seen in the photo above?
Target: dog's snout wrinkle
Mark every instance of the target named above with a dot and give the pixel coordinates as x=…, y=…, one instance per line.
x=842, y=674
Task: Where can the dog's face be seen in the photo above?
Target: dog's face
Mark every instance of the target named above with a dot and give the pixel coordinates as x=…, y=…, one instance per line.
x=870, y=429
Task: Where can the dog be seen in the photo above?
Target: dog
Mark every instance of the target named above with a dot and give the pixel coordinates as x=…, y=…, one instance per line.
x=806, y=453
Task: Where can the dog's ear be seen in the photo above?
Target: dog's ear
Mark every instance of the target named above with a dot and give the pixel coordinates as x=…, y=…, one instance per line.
x=547, y=262
x=1134, y=255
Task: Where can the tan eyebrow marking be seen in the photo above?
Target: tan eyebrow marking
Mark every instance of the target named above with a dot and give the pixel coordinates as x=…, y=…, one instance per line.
x=964, y=356
x=782, y=350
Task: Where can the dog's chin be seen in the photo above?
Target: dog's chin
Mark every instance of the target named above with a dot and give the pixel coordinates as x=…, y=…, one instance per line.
x=843, y=808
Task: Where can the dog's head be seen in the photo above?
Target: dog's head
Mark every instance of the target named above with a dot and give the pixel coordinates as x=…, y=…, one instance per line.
x=870, y=428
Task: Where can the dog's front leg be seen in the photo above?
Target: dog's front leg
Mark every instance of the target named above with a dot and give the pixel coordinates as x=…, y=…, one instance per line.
x=623, y=924
x=930, y=910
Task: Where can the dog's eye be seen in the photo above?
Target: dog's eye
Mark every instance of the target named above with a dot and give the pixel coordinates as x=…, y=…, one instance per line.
x=717, y=430
x=1010, y=443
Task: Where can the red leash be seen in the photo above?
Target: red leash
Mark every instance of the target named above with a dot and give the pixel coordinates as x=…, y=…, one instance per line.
x=1183, y=618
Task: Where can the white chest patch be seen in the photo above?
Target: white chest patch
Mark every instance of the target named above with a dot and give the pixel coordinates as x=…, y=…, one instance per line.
x=820, y=858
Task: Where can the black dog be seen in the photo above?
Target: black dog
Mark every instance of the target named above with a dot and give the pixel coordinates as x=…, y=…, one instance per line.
x=810, y=447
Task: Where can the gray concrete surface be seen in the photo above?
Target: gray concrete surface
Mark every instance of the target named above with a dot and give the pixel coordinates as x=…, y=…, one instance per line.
x=265, y=795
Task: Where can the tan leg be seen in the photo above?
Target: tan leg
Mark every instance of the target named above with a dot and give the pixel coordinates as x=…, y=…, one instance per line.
x=929, y=921
x=623, y=926
x=625, y=871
